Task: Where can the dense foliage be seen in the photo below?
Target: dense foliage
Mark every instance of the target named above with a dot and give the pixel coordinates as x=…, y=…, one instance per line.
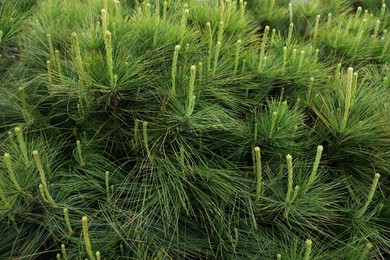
x=194, y=129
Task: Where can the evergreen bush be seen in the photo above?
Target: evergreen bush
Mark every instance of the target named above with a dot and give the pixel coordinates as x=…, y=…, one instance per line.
x=194, y=129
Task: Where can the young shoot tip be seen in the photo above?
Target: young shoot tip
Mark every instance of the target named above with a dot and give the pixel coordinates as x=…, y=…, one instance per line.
x=308, y=249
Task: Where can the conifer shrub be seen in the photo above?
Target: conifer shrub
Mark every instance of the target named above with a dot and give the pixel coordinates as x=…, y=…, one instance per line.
x=198, y=129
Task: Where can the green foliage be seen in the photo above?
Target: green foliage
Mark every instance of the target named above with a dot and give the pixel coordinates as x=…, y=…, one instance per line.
x=194, y=129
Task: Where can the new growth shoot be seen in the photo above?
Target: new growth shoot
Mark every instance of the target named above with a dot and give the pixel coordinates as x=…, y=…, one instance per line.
x=58, y=63
x=79, y=61
x=348, y=99
x=104, y=19
x=49, y=73
x=262, y=50
x=43, y=185
x=174, y=68
x=258, y=172
x=284, y=59
x=67, y=222
x=51, y=48
x=8, y=164
x=370, y=196
x=183, y=23
x=313, y=175
x=273, y=123
x=107, y=43
x=87, y=240
x=80, y=153
x=63, y=251
x=191, y=96
x=308, y=245
x=290, y=196
x=290, y=178
x=316, y=30
x=22, y=143
x=217, y=49
x=290, y=33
